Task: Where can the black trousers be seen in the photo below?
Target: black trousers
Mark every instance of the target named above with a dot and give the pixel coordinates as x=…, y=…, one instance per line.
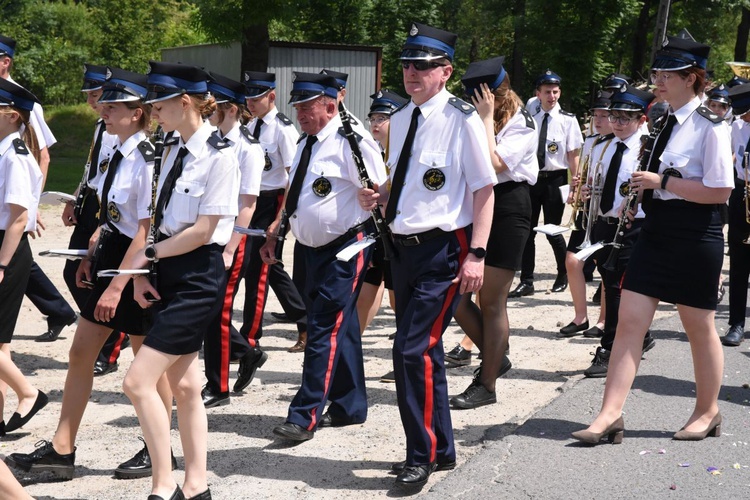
x=739, y=256
x=545, y=197
x=45, y=297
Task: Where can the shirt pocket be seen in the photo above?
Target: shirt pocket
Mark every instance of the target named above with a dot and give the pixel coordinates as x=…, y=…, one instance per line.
x=434, y=167
x=674, y=164
x=186, y=200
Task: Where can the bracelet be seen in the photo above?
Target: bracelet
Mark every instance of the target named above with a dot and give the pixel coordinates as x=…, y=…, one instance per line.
x=664, y=179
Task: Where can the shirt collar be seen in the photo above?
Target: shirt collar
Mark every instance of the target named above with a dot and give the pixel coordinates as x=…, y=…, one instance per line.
x=433, y=103
x=330, y=128
x=633, y=142
x=131, y=143
x=197, y=143
x=685, y=111
x=234, y=134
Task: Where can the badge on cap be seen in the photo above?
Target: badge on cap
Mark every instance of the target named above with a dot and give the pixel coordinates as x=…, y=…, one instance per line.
x=434, y=179
x=380, y=94
x=108, y=74
x=321, y=187
x=247, y=78
x=548, y=72
x=413, y=31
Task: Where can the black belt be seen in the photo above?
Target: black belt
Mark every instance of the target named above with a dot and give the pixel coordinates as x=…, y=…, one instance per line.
x=411, y=240
x=345, y=237
x=271, y=193
x=549, y=174
x=608, y=220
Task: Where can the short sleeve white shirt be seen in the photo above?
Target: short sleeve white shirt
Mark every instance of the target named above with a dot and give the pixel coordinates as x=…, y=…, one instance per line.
x=20, y=182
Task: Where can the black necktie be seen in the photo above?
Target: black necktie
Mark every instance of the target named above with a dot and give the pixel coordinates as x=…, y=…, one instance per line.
x=299, y=176
x=258, y=125
x=610, y=183
x=399, y=177
x=541, y=154
x=654, y=161
x=95, y=151
x=111, y=172
x=169, y=185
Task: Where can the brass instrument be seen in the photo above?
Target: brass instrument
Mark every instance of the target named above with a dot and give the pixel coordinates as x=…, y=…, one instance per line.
x=594, y=201
x=741, y=69
x=578, y=204
x=745, y=159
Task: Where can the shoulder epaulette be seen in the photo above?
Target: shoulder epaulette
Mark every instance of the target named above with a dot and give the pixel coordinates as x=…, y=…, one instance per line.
x=249, y=136
x=709, y=115
x=302, y=137
x=170, y=139
x=342, y=133
x=400, y=108
x=603, y=138
x=147, y=150
x=566, y=113
x=462, y=106
x=529, y=120
x=283, y=118
x=20, y=147
x=217, y=142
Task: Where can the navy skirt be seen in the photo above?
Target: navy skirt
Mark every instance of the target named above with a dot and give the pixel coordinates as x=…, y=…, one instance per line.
x=511, y=225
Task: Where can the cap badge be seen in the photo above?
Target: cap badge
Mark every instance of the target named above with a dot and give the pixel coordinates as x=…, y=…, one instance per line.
x=622, y=89
x=665, y=43
x=413, y=31
x=109, y=74
x=148, y=71
x=548, y=72
x=380, y=94
x=247, y=78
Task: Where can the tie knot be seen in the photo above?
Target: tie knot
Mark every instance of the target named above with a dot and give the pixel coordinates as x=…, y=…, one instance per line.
x=416, y=112
x=182, y=153
x=621, y=146
x=311, y=139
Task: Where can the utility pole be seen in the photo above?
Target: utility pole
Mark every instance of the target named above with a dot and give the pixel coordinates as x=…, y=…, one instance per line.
x=660, y=30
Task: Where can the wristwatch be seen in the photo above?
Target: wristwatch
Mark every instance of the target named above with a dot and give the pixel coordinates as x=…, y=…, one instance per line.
x=150, y=253
x=480, y=252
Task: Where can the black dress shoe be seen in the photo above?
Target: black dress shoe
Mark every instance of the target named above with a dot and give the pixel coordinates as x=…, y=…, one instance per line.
x=392, y=336
x=389, y=378
x=599, y=365
x=176, y=495
x=329, y=420
x=283, y=317
x=53, y=331
x=648, y=342
x=722, y=290
x=414, y=476
x=139, y=465
x=17, y=421
x=103, y=368
x=597, y=298
x=293, y=432
x=398, y=467
x=125, y=343
x=474, y=396
x=734, y=336
x=44, y=459
x=522, y=290
x=560, y=284
x=594, y=333
x=458, y=356
x=571, y=329
x=505, y=366
x=249, y=364
x=206, y=495
x=212, y=399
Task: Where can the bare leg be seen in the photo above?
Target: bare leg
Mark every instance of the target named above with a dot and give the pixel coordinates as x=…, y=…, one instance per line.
x=11, y=376
x=162, y=386
x=708, y=364
x=577, y=287
x=626, y=355
x=466, y=343
x=9, y=486
x=87, y=342
x=493, y=301
x=368, y=303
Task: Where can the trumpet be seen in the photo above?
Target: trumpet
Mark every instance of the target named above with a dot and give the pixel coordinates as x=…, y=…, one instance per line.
x=594, y=202
x=745, y=159
x=578, y=204
x=741, y=69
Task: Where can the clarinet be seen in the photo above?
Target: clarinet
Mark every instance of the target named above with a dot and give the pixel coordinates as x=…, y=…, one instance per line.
x=382, y=230
x=632, y=199
x=158, y=138
x=278, y=250
x=83, y=188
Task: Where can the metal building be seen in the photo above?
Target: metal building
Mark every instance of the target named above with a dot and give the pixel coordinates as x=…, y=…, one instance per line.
x=362, y=63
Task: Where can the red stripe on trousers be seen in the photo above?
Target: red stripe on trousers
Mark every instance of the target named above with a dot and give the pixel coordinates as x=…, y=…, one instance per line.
x=118, y=347
x=435, y=333
x=226, y=313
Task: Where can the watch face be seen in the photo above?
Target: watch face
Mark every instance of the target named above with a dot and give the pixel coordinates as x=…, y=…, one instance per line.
x=479, y=252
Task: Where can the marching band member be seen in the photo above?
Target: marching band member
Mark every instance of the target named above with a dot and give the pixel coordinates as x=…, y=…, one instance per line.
x=718, y=101
x=123, y=185
x=20, y=187
x=512, y=140
x=689, y=173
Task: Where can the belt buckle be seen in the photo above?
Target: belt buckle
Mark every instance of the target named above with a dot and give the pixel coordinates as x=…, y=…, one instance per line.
x=413, y=240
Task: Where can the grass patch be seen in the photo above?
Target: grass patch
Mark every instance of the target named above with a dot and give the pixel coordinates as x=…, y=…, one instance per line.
x=73, y=126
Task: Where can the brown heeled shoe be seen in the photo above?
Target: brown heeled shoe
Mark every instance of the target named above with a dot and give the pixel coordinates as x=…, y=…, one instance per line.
x=713, y=430
x=300, y=345
x=614, y=433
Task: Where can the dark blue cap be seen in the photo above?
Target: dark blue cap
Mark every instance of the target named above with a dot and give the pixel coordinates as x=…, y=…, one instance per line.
x=603, y=100
x=489, y=71
x=93, y=77
x=259, y=83
x=123, y=86
x=681, y=53
x=16, y=96
x=720, y=94
x=740, y=96
x=547, y=78
x=428, y=43
x=386, y=102
x=308, y=86
x=629, y=98
x=225, y=89
x=341, y=78
x=7, y=46
x=736, y=80
x=616, y=80
x=167, y=80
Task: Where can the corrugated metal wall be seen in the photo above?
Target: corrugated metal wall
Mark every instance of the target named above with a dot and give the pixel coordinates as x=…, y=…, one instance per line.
x=361, y=63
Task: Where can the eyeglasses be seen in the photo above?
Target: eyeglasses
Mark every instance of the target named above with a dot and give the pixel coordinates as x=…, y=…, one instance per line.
x=622, y=120
x=378, y=120
x=661, y=76
x=421, y=65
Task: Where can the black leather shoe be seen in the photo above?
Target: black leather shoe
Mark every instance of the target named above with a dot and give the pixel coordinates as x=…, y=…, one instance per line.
x=329, y=420
x=125, y=343
x=389, y=378
x=176, y=495
x=398, y=467
x=249, y=364
x=212, y=399
x=722, y=290
x=293, y=432
x=392, y=336
x=473, y=397
x=206, y=495
x=282, y=317
x=522, y=290
x=571, y=329
x=139, y=465
x=505, y=366
x=734, y=336
x=560, y=284
x=414, y=476
x=594, y=333
x=103, y=368
x=597, y=298
x=648, y=342
x=458, y=356
x=44, y=459
x=53, y=331
x=17, y=421
x=599, y=365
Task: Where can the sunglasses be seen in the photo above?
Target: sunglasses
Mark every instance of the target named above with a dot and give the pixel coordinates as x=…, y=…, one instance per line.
x=421, y=65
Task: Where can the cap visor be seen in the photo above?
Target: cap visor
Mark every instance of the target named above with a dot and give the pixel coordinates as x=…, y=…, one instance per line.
x=117, y=96
x=420, y=55
x=153, y=97
x=300, y=98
